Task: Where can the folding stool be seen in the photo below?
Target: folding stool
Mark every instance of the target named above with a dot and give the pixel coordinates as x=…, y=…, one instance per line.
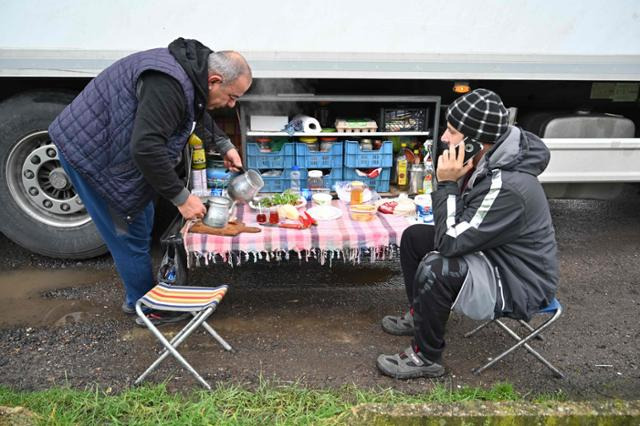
x=199, y=301
x=554, y=309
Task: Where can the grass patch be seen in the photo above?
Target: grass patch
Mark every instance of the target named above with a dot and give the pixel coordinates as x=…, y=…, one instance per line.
x=226, y=404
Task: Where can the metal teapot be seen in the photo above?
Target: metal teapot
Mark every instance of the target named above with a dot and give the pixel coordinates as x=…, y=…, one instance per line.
x=218, y=212
x=245, y=186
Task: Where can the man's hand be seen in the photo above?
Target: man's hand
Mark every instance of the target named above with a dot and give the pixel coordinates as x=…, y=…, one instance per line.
x=192, y=208
x=232, y=160
x=450, y=165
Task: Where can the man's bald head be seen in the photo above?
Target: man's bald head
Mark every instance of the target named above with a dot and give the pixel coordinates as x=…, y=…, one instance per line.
x=229, y=65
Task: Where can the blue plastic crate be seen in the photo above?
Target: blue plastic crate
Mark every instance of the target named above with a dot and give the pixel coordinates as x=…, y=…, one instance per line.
x=329, y=179
x=283, y=159
x=279, y=183
x=317, y=159
x=380, y=184
x=354, y=157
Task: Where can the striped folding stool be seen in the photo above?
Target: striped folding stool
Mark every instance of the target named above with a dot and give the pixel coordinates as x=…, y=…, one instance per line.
x=199, y=301
x=554, y=310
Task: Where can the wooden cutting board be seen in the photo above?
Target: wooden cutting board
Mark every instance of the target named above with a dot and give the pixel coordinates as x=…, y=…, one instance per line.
x=231, y=229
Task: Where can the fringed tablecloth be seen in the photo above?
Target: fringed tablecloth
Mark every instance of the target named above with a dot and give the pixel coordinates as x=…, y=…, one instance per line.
x=342, y=238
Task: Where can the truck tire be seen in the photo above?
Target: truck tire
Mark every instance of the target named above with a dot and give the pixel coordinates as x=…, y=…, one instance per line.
x=39, y=209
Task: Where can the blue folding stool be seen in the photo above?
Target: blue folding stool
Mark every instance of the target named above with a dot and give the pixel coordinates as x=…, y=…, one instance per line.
x=554, y=309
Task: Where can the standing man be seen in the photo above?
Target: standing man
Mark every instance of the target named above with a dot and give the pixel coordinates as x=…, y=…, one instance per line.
x=492, y=251
x=122, y=137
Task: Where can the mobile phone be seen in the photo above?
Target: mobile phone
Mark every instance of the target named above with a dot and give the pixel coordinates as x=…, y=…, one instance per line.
x=471, y=148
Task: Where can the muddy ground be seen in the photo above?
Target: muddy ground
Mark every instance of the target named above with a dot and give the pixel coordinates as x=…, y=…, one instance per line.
x=60, y=322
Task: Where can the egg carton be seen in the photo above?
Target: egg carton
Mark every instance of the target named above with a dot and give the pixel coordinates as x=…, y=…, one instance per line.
x=356, y=126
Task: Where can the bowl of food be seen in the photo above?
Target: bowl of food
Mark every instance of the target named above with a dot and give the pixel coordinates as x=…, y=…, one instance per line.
x=321, y=198
x=362, y=212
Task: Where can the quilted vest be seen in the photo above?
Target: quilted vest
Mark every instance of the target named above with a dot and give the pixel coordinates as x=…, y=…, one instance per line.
x=94, y=131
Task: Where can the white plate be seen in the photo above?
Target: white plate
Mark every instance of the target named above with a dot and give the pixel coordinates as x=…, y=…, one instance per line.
x=324, y=212
x=301, y=203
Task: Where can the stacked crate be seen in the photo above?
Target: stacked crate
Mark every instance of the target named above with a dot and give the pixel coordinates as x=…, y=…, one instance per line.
x=356, y=158
x=282, y=160
x=330, y=162
x=341, y=162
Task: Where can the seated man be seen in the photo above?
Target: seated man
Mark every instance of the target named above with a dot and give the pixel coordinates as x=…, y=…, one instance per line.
x=492, y=251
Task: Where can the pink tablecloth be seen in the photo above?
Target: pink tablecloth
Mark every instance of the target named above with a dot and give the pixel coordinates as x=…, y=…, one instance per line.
x=341, y=238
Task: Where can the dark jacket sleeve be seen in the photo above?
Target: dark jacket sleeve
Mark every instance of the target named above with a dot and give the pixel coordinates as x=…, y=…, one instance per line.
x=491, y=216
x=214, y=134
x=161, y=110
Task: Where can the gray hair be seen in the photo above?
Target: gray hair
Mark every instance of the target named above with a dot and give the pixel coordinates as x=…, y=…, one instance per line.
x=228, y=64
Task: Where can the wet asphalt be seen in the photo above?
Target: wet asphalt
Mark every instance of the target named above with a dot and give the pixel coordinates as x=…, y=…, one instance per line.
x=311, y=324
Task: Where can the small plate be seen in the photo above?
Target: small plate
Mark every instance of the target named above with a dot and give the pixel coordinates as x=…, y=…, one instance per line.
x=325, y=212
x=300, y=204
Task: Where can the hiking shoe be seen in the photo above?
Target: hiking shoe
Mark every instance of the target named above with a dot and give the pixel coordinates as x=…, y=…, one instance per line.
x=408, y=365
x=163, y=317
x=399, y=325
x=128, y=309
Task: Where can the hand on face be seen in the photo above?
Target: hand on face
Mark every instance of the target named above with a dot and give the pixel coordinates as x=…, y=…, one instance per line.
x=451, y=166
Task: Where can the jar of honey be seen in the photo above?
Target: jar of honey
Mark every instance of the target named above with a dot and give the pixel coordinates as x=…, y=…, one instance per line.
x=357, y=190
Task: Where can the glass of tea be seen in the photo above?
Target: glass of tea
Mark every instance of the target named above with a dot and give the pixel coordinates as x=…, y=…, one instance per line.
x=261, y=217
x=274, y=218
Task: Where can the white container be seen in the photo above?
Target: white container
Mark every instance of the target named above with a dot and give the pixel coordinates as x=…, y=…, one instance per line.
x=424, y=211
x=268, y=123
x=321, y=199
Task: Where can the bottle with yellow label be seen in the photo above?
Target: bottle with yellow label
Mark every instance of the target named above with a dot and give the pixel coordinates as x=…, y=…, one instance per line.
x=198, y=156
x=198, y=166
x=402, y=171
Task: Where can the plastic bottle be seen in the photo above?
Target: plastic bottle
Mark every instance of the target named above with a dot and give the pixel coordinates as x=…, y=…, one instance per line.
x=295, y=179
x=427, y=184
x=402, y=169
x=198, y=157
x=416, y=178
x=198, y=166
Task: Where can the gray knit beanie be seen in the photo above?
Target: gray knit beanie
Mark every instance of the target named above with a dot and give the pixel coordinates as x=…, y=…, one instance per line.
x=480, y=115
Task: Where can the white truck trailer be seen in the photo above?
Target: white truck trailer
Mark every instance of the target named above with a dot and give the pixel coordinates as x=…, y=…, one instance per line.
x=571, y=69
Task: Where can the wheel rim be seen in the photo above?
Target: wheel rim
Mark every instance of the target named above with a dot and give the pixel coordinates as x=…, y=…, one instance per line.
x=39, y=184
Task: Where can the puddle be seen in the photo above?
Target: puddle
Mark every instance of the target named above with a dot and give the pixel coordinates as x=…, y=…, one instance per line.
x=22, y=302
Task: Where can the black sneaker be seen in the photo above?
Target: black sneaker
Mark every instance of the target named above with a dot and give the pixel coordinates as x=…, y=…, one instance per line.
x=163, y=317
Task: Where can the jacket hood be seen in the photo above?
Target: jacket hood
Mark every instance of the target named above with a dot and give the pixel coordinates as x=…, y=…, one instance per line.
x=519, y=150
x=193, y=57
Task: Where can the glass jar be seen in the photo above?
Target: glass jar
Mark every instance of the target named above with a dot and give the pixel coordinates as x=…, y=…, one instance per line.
x=311, y=142
x=326, y=143
x=357, y=190
x=366, y=145
x=315, y=181
x=264, y=144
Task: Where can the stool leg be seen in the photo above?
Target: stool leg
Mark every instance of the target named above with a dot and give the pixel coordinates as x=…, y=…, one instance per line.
x=528, y=327
x=478, y=328
x=218, y=338
x=521, y=342
x=175, y=342
x=172, y=349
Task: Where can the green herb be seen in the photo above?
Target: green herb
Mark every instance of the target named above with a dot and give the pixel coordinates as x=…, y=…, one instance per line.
x=287, y=197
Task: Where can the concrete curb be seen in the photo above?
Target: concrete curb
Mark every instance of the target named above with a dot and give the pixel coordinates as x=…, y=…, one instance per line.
x=497, y=413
